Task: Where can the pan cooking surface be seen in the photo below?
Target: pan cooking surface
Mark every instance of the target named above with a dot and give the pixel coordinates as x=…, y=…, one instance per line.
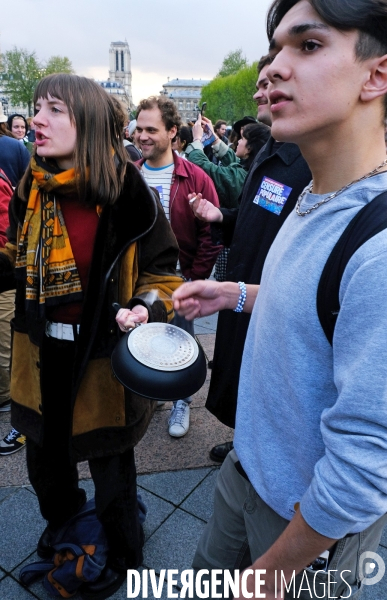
x=162, y=346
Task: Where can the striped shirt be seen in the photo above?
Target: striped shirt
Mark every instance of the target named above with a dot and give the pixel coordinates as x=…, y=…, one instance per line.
x=161, y=180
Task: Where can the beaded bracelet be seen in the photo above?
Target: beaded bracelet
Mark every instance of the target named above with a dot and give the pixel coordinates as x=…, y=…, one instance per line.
x=242, y=297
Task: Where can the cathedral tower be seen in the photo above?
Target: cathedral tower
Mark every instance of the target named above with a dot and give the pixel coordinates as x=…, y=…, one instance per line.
x=120, y=66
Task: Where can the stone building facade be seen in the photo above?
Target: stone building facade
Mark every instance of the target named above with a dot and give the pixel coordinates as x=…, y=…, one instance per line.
x=186, y=95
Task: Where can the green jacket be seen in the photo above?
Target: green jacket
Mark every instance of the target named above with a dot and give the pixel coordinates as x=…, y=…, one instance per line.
x=228, y=178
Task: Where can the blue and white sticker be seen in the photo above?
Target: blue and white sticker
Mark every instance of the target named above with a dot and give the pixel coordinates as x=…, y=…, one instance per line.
x=272, y=195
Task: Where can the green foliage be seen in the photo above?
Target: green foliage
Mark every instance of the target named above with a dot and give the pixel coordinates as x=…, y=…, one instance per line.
x=21, y=71
x=231, y=98
x=58, y=64
x=232, y=63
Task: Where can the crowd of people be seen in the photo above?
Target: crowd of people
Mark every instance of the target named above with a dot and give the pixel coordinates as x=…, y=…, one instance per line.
x=105, y=211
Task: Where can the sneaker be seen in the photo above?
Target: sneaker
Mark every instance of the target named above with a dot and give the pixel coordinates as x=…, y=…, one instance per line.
x=5, y=406
x=12, y=442
x=179, y=419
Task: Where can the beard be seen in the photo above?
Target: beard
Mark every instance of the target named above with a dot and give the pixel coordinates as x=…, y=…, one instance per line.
x=156, y=150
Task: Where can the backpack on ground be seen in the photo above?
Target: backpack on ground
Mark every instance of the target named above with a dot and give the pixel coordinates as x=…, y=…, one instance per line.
x=369, y=221
x=81, y=551
x=80, y=555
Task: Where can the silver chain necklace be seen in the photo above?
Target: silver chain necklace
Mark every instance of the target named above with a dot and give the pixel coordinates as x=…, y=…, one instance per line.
x=309, y=189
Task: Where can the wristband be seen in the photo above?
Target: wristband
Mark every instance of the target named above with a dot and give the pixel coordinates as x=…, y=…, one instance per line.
x=242, y=297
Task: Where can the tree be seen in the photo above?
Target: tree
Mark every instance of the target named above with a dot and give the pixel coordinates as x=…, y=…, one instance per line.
x=58, y=64
x=231, y=98
x=21, y=71
x=232, y=63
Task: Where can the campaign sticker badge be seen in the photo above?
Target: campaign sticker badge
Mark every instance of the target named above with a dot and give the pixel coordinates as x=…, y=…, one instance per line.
x=272, y=195
x=159, y=188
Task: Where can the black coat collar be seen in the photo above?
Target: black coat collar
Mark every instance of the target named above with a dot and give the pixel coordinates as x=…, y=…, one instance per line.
x=287, y=152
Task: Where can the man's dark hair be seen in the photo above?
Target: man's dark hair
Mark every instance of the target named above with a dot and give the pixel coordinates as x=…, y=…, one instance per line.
x=185, y=136
x=219, y=123
x=256, y=135
x=368, y=16
x=264, y=61
x=169, y=113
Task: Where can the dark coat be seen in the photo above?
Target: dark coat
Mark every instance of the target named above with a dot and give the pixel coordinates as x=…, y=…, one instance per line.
x=134, y=251
x=249, y=231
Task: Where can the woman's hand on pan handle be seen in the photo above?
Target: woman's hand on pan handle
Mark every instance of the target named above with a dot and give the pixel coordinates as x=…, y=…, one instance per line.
x=128, y=319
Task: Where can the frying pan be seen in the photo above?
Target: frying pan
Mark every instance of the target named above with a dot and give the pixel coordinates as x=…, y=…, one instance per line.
x=159, y=361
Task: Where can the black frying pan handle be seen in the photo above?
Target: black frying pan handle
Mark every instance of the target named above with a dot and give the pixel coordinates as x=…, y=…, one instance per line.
x=116, y=306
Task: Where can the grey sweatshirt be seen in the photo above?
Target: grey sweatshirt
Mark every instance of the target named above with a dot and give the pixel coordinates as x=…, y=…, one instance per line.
x=311, y=423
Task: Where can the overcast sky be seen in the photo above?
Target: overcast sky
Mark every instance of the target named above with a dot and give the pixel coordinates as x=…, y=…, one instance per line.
x=167, y=38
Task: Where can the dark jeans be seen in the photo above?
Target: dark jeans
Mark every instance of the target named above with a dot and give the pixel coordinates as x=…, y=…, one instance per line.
x=54, y=476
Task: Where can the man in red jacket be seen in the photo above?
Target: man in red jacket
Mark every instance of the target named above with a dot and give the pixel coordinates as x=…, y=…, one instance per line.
x=158, y=122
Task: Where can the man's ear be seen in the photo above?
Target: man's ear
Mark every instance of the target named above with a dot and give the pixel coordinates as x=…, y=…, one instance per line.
x=172, y=132
x=376, y=84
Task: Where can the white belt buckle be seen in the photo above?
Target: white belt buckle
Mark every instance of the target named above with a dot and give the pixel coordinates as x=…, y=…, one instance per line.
x=60, y=331
x=67, y=332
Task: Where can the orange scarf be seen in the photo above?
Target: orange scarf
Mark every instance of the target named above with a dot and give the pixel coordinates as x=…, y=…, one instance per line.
x=44, y=254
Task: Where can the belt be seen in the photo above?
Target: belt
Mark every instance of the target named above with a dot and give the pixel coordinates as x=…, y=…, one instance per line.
x=61, y=331
x=241, y=470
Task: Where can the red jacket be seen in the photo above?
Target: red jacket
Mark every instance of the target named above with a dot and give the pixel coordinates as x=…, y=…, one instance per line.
x=6, y=191
x=197, y=254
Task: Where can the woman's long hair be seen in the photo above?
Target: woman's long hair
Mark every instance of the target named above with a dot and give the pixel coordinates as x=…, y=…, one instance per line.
x=99, y=145
x=5, y=131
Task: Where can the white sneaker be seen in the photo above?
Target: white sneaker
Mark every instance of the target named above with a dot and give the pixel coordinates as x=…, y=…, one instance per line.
x=179, y=420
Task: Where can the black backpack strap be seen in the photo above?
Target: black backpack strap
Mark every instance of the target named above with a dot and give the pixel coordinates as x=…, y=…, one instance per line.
x=369, y=221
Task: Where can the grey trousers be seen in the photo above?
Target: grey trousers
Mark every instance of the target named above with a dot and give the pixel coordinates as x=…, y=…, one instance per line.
x=243, y=527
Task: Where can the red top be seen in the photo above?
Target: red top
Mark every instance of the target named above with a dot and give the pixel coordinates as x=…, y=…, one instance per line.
x=81, y=223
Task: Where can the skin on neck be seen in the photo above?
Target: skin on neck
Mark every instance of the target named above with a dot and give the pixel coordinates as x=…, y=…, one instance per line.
x=348, y=154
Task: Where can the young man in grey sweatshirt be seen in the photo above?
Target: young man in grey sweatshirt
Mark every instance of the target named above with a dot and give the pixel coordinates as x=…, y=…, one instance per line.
x=308, y=476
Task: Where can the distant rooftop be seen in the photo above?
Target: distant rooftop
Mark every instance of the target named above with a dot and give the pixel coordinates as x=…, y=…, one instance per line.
x=186, y=82
x=185, y=94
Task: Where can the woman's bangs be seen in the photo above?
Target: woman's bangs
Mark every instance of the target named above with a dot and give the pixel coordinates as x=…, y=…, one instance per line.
x=56, y=87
